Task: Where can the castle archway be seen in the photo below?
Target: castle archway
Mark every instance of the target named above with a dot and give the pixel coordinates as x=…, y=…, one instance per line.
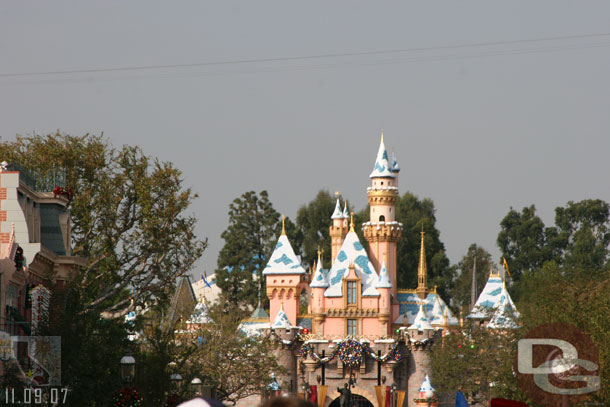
x=357, y=401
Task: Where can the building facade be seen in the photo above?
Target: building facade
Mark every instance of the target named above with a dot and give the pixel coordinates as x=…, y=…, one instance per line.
x=360, y=328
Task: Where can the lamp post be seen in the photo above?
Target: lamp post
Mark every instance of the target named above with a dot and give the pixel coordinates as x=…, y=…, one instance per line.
x=197, y=386
x=128, y=368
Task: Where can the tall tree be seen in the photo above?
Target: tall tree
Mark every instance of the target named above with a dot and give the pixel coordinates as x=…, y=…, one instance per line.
x=236, y=365
x=254, y=226
x=415, y=213
x=128, y=218
x=524, y=241
x=313, y=219
x=584, y=234
x=461, y=290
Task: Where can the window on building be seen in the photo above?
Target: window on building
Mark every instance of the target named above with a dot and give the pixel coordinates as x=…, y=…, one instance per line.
x=381, y=218
x=352, y=327
x=352, y=293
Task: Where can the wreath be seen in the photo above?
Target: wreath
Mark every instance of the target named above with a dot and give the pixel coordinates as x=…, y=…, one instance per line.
x=128, y=397
x=351, y=353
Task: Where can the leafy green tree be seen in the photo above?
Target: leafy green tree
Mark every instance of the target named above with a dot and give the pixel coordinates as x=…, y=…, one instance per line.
x=584, y=234
x=128, y=218
x=236, y=365
x=254, y=227
x=461, y=290
x=415, y=213
x=524, y=241
x=313, y=219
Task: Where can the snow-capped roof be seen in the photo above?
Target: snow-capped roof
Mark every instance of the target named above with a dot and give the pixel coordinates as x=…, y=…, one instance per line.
x=320, y=277
x=421, y=320
x=490, y=298
x=382, y=164
x=426, y=385
x=281, y=320
x=506, y=314
x=352, y=252
x=283, y=260
x=253, y=328
x=337, y=214
x=384, y=278
x=201, y=314
x=395, y=167
x=345, y=212
x=409, y=306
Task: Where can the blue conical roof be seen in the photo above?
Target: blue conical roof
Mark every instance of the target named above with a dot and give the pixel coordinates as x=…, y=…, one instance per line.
x=345, y=212
x=426, y=385
x=395, y=167
x=382, y=164
x=384, y=278
x=281, y=320
x=422, y=321
x=283, y=260
x=337, y=214
x=319, y=278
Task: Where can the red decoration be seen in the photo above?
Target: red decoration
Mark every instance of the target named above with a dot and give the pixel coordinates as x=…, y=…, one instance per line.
x=67, y=192
x=305, y=331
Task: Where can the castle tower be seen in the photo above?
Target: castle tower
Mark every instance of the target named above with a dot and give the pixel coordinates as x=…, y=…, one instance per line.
x=338, y=230
x=426, y=396
x=422, y=269
x=383, y=286
x=319, y=284
x=285, y=279
x=421, y=337
x=382, y=232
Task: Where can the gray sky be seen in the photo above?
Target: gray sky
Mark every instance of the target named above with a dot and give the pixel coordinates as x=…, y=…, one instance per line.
x=478, y=129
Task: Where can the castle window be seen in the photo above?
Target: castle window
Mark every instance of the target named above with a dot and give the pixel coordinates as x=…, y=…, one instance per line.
x=381, y=182
x=381, y=218
x=352, y=327
x=352, y=295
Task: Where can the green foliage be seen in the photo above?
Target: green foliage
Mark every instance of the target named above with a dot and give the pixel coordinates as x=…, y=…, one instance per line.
x=414, y=213
x=254, y=227
x=579, y=239
x=128, y=218
x=236, y=365
x=472, y=358
x=313, y=219
x=461, y=290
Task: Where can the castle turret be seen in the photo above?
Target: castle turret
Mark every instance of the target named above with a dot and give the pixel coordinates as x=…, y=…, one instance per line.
x=421, y=337
x=426, y=396
x=383, y=286
x=286, y=278
x=382, y=231
x=319, y=283
x=338, y=230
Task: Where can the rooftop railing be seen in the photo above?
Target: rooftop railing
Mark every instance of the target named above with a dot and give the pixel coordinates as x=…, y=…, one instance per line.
x=39, y=182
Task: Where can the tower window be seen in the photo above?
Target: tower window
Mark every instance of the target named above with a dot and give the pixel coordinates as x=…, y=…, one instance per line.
x=352, y=293
x=352, y=327
x=381, y=182
x=381, y=218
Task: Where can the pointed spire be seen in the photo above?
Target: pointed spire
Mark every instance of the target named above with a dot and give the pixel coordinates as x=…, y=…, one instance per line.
x=427, y=385
x=351, y=223
x=337, y=214
x=345, y=212
x=281, y=320
x=422, y=320
x=283, y=225
x=473, y=288
x=394, y=164
x=422, y=269
x=384, y=278
x=382, y=164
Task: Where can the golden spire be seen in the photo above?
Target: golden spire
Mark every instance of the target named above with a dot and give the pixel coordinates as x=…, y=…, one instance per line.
x=320, y=251
x=422, y=269
x=382, y=135
x=351, y=224
x=283, y=225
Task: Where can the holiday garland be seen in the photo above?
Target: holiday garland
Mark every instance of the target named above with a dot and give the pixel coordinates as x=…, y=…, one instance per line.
x=128, y=397
x=351, y=352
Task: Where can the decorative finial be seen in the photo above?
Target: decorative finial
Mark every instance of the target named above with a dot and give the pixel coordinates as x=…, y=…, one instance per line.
x=351, y=224
x=422, y=230
x=337, y=194
x=382, y=135
x=320, y=251
x=283, y=225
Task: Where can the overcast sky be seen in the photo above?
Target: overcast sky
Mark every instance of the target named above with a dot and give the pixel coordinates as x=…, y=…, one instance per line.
x=478, y=128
